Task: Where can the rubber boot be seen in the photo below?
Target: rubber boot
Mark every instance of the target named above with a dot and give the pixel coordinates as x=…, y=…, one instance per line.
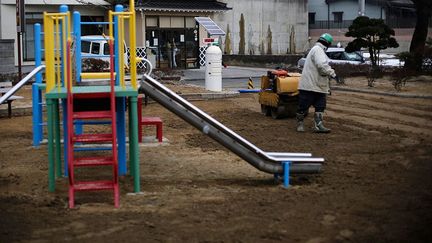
x=318, y=123
x=300, y=122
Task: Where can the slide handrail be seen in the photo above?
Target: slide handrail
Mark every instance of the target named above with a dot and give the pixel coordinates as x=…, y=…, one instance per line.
x=265, y=161
x=21, y=83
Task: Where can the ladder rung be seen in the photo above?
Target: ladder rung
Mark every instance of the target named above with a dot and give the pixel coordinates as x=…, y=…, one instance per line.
x=92, y=114
x=97, y=23
x=92, y=122
x=93, y=185
x=92, y=149
x=100, y=75
x=93, y=161
x=89, y=138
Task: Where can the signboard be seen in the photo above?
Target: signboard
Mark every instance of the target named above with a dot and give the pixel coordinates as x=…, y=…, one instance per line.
x=20, y=15
x=210, y=40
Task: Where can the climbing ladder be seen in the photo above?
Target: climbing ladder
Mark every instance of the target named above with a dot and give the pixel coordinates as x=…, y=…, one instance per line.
x=100, y=111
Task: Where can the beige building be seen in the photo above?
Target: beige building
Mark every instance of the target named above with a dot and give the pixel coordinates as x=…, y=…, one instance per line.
x=34, y=9
x=167, y=31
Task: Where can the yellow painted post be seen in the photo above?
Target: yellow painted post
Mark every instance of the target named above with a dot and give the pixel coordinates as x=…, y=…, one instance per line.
x=67, y=34
x=49, y=52
x=57, y=50
x=64, y=48
x=132, y=31
x=110, y=25
x=121, y=51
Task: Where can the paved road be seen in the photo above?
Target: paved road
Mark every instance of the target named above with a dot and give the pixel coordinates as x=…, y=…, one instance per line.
x=233, y=84
x=233, y=77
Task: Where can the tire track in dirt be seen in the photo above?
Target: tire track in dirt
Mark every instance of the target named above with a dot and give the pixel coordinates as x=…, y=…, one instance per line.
x=417, y=108
x=381, y=124
x=385, y=115
x=393, y=114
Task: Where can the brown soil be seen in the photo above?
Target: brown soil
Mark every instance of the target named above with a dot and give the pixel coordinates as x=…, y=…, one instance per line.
x=375, y=185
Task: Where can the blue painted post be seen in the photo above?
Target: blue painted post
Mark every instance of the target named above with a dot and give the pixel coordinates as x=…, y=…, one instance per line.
x=286, y=168
x=121, y=134
x=38, y=62
x=78, y=70
x=35, y=101
x=77, y=37
x=38, y=50
x=121, y=102
x=36, y=95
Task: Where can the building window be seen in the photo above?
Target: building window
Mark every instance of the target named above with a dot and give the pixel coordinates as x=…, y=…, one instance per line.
x=177, y=22
x=337, y=16
x=92, y=29
x=190, y=22
x=164, y=22
x=28, y=37
x=311, y=18
x=152, y=21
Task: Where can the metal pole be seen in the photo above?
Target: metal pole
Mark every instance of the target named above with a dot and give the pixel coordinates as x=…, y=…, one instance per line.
x=328, y=15
x=19, y=55
x=20, y=27
x=361, y=7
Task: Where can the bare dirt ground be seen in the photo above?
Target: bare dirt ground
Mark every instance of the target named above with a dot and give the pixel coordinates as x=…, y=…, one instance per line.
x=375, y=185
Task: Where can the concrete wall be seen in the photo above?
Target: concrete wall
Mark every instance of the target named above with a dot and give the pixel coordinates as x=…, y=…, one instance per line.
x=269, y=61
x=349, y=9
x=8, y=12
x=403, y=37
x=7, y=56
x=287, y=19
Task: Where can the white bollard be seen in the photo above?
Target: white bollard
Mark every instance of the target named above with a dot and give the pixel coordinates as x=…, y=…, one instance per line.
x=213, y=76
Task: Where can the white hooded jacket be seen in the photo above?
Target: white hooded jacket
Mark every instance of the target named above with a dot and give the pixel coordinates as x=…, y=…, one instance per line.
x=316, y=71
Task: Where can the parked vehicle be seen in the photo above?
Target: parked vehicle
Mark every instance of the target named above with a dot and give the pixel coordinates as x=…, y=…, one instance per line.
x=96, y=46
x=338, y=55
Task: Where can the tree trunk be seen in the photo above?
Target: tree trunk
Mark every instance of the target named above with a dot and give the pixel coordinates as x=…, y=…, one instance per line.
x=420, y=33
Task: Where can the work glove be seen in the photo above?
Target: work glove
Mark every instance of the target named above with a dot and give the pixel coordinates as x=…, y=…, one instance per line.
x=335, y=77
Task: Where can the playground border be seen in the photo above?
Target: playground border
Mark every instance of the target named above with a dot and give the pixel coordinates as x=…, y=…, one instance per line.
x=376, y=92
x=27, y=110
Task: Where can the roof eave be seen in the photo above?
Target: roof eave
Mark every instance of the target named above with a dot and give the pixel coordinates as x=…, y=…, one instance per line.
x=182, y=10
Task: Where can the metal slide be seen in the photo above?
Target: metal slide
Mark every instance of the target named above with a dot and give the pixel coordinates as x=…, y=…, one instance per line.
x=270, y=162
x=21, y=83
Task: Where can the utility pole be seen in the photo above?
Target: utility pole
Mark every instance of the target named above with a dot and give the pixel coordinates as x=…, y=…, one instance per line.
x=20, y=23
x=361, y=11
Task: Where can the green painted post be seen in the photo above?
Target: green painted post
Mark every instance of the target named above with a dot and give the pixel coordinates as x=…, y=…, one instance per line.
x=51, y=175
x=57, y=138
x=131, y=167
x=133, y=142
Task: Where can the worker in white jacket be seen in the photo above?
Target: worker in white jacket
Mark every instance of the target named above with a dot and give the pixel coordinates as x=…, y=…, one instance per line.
x=314, y=84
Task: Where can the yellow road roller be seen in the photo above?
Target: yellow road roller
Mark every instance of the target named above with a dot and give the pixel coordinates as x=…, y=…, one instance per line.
x=279, y=93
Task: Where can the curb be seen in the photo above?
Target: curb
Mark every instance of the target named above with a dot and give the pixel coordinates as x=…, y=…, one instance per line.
x=381, y=93
x=210, y=96
x=27, y=110
x=202, y=79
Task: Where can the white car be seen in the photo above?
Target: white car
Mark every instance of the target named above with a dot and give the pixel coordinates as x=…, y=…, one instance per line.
x=338, y=55
x=96, y=46
x=387, y=60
